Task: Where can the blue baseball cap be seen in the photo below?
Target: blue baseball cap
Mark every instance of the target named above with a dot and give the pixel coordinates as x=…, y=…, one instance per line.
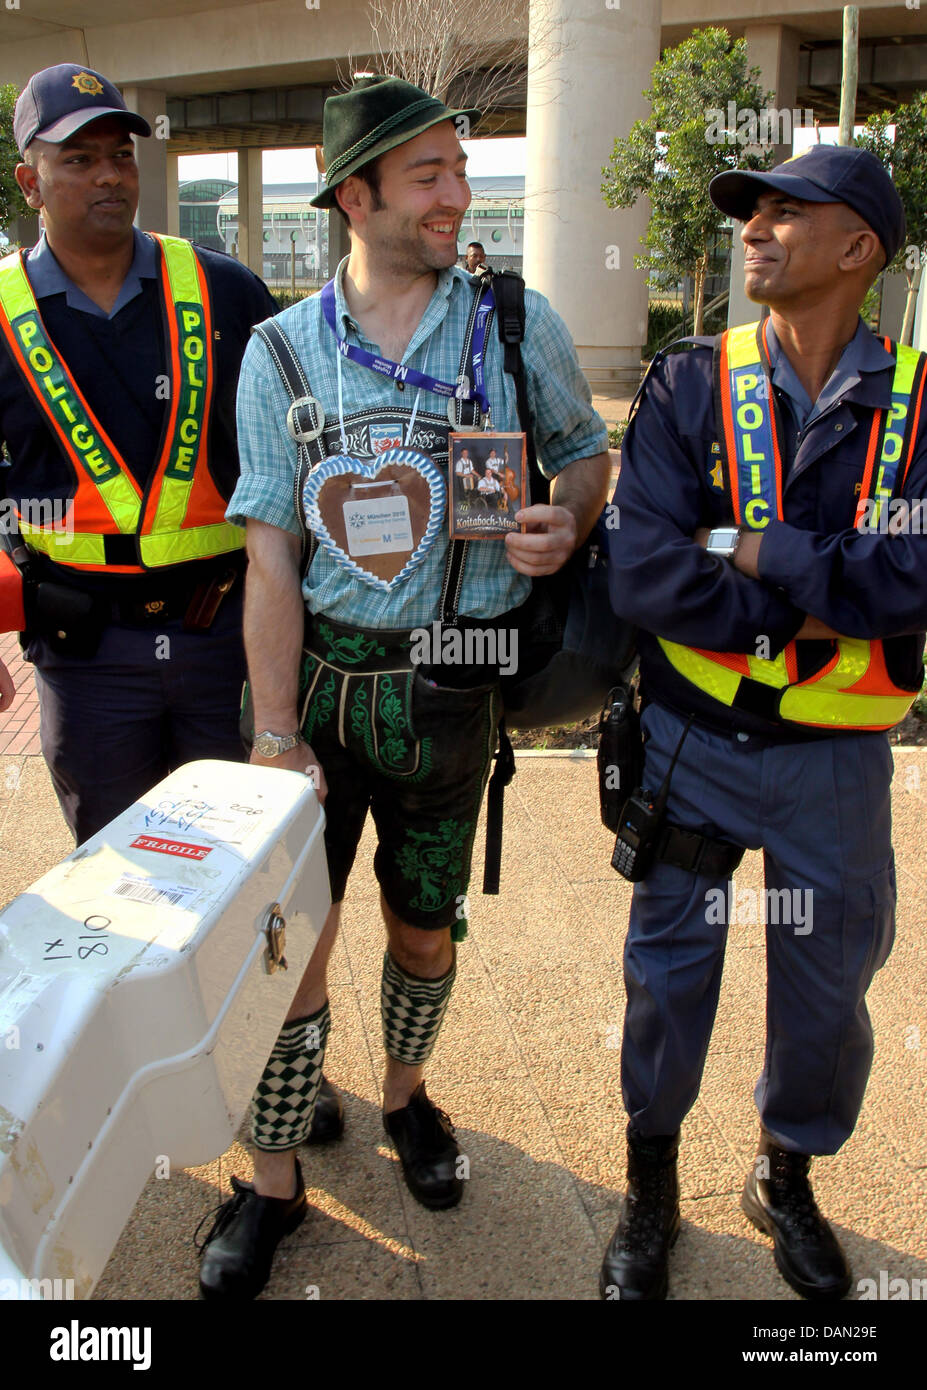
x=823, y=174
x=58, y=101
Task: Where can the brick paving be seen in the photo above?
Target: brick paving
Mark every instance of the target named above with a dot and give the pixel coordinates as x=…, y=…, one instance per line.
x=19, y=725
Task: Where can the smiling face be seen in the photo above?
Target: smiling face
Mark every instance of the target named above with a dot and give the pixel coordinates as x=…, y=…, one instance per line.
x=86, y=187
x=796, y=251
x=423, y=196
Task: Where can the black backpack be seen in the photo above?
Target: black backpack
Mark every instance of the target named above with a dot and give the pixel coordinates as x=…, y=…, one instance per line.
x=573, y=647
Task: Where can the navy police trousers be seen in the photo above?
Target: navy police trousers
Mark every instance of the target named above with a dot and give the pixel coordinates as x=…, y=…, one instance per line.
x=821, y=813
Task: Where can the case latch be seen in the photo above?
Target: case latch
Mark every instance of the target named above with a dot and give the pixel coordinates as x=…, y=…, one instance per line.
x=275, y=931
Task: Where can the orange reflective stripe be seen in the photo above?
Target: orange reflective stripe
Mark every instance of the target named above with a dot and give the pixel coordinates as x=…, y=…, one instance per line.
x=865, y=487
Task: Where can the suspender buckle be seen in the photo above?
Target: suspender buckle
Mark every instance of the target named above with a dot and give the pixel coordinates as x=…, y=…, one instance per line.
x=305, y=419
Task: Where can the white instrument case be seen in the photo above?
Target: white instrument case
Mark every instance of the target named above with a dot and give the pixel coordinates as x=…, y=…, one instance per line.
x=140, y=1000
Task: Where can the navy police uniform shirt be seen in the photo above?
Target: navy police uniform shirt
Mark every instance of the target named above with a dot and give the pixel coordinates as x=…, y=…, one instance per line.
x=119, y=361
x=814, y=561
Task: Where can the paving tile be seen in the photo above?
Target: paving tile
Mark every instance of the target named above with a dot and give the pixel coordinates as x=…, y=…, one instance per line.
x=528, y=1067
x=154, y=1257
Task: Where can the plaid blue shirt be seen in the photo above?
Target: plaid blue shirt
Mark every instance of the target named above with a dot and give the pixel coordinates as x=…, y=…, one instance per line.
x=566, y=428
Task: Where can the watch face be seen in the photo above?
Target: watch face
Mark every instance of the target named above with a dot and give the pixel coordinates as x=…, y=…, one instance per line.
x=722, y=540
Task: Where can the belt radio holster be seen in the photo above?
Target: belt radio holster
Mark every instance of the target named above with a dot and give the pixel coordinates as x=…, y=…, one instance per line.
x=68, y=619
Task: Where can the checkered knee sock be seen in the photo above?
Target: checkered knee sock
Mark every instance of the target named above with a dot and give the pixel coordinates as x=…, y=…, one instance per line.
x=412, y=1011
x=285, y=1096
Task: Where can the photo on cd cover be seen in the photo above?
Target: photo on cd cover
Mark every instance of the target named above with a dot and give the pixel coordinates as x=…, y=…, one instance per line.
x=487, y=484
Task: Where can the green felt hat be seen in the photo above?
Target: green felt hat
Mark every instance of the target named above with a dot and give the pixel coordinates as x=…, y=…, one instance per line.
x=377, y=114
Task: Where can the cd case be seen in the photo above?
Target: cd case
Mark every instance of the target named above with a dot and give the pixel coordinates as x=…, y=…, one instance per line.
x=487, y=484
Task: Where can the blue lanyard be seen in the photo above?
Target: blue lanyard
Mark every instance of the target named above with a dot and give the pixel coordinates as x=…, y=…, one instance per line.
x=396, y=372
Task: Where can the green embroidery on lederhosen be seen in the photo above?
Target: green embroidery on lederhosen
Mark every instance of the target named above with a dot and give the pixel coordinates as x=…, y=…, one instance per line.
x=436, y=860
x=317, y=697
x=348, y=650
x=383, y=725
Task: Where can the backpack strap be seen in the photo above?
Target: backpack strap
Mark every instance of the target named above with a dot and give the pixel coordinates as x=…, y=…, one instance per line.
x=466, y=413
x=508, y=289
x=305, y=421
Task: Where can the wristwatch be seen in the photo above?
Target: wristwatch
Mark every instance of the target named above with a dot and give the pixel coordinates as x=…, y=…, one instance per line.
x=272, y=745
x=723, y=541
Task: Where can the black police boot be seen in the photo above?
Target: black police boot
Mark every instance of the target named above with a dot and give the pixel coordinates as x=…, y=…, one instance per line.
x=423, y=1137
x=238, y=1251
x=637, y=1259
x=327, y=1117
x=782, y=1205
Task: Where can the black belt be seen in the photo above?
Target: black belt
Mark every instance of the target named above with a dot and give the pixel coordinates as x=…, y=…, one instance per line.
x=165, y=604
x=698, y=853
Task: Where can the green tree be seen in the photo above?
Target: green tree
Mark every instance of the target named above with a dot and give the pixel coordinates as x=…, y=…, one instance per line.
x=906, y=157
x=708, y=113
x=11, y=203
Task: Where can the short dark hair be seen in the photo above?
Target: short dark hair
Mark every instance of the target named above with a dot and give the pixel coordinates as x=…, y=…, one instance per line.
x=370, y=175
x=476, y=243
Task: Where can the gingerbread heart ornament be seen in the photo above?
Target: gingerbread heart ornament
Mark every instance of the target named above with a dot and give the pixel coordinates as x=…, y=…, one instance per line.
x=377, y=518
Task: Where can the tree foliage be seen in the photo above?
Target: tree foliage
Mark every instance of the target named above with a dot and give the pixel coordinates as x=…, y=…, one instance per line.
x=706, y=116
x=11, y=202
x=906, y=158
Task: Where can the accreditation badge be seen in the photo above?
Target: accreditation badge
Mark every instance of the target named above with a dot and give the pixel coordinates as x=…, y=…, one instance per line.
x=377, y=518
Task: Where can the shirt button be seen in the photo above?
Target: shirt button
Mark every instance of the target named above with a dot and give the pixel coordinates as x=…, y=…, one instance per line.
x=837, y=429
x=742, y=738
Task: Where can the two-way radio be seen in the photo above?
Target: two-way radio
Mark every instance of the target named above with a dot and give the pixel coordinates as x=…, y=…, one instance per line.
x=641, y=823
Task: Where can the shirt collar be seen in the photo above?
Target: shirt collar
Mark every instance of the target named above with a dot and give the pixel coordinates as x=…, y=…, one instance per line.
x=446, y=280
x=47, y=277
x=855, y=375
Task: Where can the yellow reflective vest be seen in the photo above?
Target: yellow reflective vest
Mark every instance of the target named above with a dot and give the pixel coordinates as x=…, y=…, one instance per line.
x=851, y=688
x=180, y=515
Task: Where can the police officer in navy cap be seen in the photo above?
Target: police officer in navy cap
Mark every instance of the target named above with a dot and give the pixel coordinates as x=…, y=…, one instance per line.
x=119, y=359
x=771, y=552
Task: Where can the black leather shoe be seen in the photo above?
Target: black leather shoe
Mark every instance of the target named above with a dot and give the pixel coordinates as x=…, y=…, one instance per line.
x=636, y=1264
x=239, y=1250
x=423, y=1137
x=806, y=1251
x=327, y=1117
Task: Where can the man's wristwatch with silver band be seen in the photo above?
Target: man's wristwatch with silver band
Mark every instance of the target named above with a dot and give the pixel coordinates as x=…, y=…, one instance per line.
x=723, y=541
x=272, y=745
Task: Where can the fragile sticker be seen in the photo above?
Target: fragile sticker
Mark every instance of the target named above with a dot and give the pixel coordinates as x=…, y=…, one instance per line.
x=182, y=848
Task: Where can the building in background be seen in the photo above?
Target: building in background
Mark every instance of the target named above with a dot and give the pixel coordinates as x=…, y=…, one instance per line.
x=294, y=232
x=199, y=210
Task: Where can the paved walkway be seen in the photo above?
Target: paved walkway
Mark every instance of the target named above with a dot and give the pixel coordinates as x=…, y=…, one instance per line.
x=19, y=725
x=527, y=1066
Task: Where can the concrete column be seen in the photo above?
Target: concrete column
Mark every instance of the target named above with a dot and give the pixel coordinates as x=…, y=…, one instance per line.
x=251, y=209
x=774, y=49
x=894, y=298
x=588, y=63
x=920, y=318
x=172, y=223
x=151, y=155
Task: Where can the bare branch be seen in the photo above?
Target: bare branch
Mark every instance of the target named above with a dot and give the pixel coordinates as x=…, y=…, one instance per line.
x=467, y=54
